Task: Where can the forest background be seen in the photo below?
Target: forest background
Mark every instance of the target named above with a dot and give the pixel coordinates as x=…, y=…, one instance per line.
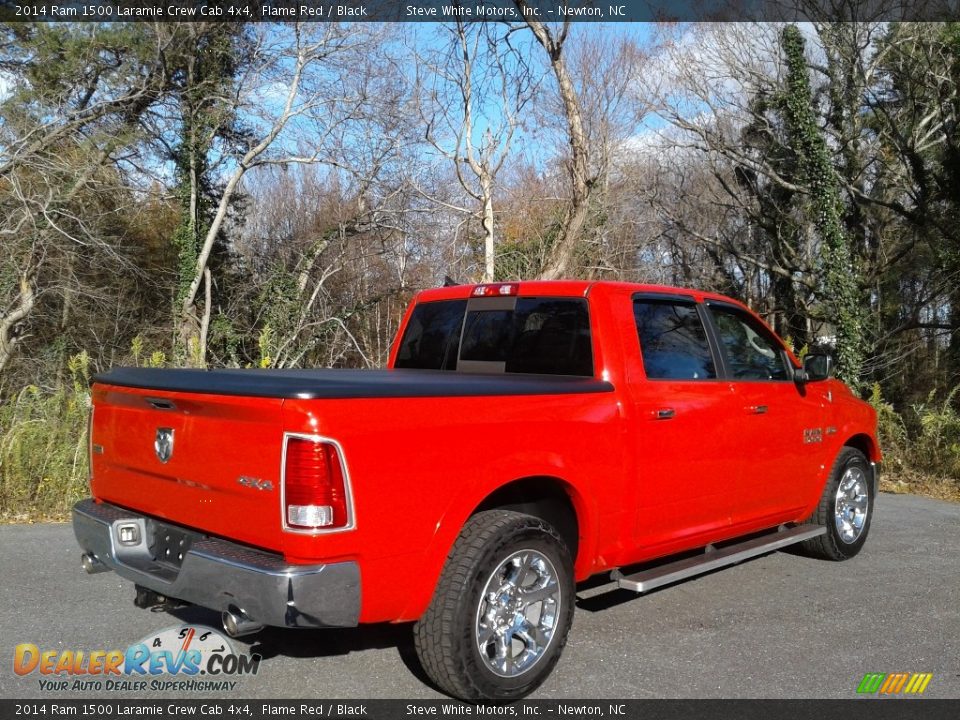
x=272, y=195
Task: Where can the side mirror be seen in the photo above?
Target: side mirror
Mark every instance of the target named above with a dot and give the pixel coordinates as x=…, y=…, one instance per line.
x=817, y=366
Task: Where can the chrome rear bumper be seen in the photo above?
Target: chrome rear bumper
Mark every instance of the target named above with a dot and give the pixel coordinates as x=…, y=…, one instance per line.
x=219, y=574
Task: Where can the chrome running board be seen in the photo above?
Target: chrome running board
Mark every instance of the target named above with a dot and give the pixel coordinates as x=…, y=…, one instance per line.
x=713, y=558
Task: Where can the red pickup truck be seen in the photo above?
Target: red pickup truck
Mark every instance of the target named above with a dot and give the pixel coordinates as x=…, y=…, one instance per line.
x=525, y=437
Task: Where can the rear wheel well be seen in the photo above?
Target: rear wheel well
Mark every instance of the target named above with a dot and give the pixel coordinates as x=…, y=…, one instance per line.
x=864, y=444
x=542, y=497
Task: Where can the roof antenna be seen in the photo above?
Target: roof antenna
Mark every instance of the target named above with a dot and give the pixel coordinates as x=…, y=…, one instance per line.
x=449, y=281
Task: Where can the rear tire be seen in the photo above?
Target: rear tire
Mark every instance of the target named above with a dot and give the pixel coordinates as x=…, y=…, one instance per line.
x=503, y=606
x=845, y=509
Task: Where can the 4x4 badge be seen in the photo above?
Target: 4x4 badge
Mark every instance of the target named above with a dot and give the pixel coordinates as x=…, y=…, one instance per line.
x=163, y=444
x=255, y=483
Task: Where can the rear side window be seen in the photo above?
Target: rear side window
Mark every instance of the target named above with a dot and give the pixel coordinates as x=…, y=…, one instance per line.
x=673, y=341
x=547, y=336
x=752, y=352
x=432, y=336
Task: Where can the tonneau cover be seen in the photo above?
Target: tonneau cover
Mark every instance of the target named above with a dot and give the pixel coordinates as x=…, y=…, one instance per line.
x=333, y=383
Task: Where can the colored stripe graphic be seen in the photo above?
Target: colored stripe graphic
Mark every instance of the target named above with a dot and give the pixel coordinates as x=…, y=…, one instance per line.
x=894, y=683
x=871, y=682
x=919, y=681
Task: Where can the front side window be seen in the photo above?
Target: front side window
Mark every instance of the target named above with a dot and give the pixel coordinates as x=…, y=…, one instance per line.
x=673, y=340
x=752, y=352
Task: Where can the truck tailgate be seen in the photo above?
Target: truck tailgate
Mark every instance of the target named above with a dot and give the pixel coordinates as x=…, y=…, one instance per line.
x=223, y=471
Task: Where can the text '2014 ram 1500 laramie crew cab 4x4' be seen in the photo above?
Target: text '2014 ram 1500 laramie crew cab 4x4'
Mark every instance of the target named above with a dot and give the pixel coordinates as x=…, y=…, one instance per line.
x=524, y=437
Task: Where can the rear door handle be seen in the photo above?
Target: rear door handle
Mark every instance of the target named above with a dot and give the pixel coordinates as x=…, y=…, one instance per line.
x=757, y=409
x=664, y=413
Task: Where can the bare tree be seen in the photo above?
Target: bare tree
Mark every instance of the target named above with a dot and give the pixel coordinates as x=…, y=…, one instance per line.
x=721, y=91
x=330, y=239
x=594, y=78
x=473, y=93
x=581, y=180
x=293, y=86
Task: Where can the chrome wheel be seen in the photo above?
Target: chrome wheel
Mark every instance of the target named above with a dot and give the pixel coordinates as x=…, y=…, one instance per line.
x=517, y=613
x=851, y=504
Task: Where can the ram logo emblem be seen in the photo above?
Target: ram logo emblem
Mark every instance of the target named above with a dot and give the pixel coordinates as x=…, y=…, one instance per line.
x=163, y=444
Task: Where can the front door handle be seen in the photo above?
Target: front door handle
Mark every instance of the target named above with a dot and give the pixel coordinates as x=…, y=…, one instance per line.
x=664, y=413
x=757, y=409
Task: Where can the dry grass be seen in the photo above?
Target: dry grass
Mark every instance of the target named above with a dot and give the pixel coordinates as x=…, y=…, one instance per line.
x=25, y=518
x=914, y=483
x=43, y=448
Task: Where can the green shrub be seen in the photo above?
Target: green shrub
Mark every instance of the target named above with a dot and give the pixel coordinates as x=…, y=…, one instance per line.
x=922, y=444
x=891, y=432
x=937, y=446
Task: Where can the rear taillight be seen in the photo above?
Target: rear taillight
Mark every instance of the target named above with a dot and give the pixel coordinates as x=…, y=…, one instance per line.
x=315, y=495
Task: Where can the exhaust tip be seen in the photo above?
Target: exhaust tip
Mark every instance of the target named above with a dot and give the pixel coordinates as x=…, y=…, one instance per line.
x=236, y=624
x=90, y=563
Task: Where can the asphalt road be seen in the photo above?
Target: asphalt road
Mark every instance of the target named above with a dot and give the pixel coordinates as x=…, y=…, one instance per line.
x=780, y=626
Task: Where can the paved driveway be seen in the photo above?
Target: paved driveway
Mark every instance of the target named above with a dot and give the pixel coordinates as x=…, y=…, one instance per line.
x=780, y=626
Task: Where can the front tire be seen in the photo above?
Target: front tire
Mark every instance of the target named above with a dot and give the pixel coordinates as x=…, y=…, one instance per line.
x=845, y=509
x=502, y=609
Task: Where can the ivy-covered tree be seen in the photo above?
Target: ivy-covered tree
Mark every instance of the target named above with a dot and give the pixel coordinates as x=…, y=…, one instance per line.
x=839, y=277
x=205, y=83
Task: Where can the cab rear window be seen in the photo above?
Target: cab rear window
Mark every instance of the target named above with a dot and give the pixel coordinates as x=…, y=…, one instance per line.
x=546, y=336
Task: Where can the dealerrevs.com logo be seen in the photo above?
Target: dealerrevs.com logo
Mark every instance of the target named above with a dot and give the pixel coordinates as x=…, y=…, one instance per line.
x=181, y=658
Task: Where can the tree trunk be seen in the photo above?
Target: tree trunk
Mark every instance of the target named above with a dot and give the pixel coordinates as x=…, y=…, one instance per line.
x=561, y=254
x=953, y=349
x=9, y=322
x=190, y=323
x=189, y=320
x=564, y=249
x=488, y=239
